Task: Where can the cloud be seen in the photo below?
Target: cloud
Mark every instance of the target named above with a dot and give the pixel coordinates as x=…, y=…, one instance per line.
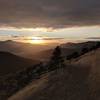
x=49, y=13
x=94, y=38
x=52, y=38
x=26, y=39
x=37, y=38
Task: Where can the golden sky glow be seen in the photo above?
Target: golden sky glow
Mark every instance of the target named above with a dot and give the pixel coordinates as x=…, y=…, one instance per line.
x=36, y=40
x=48, y=35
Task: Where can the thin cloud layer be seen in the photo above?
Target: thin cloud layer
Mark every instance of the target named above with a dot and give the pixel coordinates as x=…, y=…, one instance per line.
x=35, y=38
x=95, y=38
x=49, y=13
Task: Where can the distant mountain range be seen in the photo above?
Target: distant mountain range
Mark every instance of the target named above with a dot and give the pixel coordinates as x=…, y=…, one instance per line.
x=41, y=52
x=23, y=49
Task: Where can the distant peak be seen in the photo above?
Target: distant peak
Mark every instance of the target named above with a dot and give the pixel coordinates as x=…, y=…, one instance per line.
x=9, y=41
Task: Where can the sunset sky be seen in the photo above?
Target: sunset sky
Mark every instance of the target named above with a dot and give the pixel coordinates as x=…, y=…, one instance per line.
x=49, y=20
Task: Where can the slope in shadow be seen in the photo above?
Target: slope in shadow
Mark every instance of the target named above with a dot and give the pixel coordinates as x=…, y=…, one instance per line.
x=10, y=63
x=68, y=83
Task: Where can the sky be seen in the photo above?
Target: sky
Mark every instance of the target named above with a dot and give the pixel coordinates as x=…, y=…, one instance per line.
x=51, y=20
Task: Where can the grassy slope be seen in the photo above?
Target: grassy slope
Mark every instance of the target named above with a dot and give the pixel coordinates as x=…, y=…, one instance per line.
x=78, y=82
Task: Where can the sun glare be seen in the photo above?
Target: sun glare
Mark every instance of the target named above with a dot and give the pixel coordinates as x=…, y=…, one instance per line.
x=37, y=40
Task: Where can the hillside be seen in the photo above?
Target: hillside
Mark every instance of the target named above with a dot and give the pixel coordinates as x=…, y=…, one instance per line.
x=10, y=63
x=92, y=60
x=67, y=49
x=46, y=54
x=57, y=85
x=79, y=45
x=79, y=81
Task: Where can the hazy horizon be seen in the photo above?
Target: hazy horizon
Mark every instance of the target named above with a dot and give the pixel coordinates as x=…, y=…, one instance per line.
x=74, y=34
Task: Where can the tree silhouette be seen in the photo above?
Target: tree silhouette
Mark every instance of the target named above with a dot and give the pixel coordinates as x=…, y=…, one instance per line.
x=73, y=55
x=57, y=60
x=98, y=45
x=94, y=47
x=84, y=50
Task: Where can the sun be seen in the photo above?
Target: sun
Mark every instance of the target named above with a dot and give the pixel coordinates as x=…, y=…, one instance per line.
x=37, y=40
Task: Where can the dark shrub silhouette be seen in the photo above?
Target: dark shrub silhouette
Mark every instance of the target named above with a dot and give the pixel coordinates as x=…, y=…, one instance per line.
x=84, y=50
x=73, y=55
x=98, y=45
x=93, y=47
x=56, y=60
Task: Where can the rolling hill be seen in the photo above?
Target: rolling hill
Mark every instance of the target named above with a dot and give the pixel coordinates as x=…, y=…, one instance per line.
x=78, y=81
x=11, y=63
